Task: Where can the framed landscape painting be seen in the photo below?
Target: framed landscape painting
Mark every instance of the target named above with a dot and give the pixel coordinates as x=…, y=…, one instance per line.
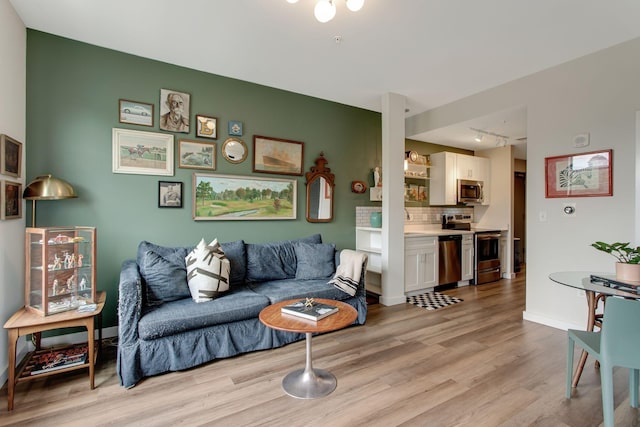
x=196, y=154
x=579, y=175
x=280, y=156
x=232, y=197
x=142, y=153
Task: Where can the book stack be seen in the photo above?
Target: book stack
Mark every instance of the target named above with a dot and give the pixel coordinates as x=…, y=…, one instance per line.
x=310, y=309
x=55, y=359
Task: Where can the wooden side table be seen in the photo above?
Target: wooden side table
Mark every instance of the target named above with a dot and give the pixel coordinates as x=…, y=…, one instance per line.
x=25, y=322
x=308, y=383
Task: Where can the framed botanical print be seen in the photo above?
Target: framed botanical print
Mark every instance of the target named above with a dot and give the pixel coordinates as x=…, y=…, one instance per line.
x=206, y=127
x=579, y=175
x=10, y=156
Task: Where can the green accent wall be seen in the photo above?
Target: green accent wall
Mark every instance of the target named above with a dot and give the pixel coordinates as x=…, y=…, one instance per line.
x=73, y=90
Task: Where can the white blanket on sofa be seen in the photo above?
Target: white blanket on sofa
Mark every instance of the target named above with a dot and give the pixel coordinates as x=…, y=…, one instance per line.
x=349, y=271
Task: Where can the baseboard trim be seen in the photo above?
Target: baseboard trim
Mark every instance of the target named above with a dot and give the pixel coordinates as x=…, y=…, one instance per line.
x=23, y=347
x=547, y=321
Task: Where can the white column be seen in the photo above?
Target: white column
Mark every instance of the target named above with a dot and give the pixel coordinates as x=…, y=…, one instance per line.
x=393, y=106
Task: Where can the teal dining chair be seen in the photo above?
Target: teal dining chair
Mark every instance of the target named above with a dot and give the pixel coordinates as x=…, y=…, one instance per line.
x=617, y=344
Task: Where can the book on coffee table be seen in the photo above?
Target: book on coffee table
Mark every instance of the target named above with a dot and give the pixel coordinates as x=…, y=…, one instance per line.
x=312, y=311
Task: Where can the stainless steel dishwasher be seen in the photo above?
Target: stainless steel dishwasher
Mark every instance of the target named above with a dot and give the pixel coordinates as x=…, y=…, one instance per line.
x=449, y=255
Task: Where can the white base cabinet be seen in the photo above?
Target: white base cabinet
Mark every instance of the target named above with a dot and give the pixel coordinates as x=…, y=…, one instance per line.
x=420, y=263
x=468, y=259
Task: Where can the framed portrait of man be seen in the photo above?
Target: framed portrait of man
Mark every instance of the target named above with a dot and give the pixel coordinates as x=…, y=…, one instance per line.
x=174, y=111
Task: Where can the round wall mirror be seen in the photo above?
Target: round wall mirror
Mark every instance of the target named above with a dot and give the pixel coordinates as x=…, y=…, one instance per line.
x=320, y=183
x=234, y=150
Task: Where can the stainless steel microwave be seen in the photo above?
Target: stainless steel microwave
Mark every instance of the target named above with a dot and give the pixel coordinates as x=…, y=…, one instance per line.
x=470, y=192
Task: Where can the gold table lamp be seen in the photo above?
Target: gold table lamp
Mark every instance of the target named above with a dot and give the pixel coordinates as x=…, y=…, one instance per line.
x=46, y=187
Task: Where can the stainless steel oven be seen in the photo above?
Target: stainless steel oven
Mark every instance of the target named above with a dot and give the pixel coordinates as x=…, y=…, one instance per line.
x=487, y=252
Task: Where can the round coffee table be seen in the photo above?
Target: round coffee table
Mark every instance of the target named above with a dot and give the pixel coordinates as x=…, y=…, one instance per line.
x=308, y=383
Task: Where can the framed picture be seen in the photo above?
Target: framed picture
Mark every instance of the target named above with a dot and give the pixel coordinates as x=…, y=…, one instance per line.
x=135, y=113
x=196, y=154
x=10, y=156
x=11, y=200
x=169, y=194
x=231, y=197
x=579, y=175
x=206, y=127
x=142, y=153
x=235, y=128
x=280, y=156
x=174, y=111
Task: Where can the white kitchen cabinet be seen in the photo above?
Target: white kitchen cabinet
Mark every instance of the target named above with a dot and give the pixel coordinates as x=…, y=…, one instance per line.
x=420, y=263
x=468, y=257
x=443, y=190
x=369, y=241
x=447, y=168
x=472, y=167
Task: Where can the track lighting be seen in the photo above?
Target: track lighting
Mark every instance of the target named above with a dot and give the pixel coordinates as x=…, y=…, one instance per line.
x=501, y=140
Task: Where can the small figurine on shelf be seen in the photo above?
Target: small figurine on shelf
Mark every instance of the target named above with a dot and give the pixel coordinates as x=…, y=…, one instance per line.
x=83, y=284
x=80, y=256
x=376, y=177
x=71, y=283
x=56, y=287
x=72, y=261
x=57, y=262
x=67, y=260
x=60, y=239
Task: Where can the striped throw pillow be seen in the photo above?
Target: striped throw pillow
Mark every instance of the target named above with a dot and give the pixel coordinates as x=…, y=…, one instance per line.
x=207, y=271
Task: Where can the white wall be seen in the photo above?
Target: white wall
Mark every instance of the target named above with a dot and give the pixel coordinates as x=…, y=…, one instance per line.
x=600, y=94
x=13, y=48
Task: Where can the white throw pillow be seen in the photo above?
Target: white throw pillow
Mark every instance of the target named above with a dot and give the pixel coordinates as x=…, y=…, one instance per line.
x=207, y=271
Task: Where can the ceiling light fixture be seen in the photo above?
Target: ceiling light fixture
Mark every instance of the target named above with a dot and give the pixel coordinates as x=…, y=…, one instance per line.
x=481, y=133
x=325, y=10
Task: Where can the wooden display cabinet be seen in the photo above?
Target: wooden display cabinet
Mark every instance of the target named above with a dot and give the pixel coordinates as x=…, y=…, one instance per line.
x=60, y=268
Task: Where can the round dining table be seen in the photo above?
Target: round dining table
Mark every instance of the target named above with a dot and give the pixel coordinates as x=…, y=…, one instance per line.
x=597, y=286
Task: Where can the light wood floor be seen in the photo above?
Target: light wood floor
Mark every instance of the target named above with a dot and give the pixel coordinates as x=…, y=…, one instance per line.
x=476, y=363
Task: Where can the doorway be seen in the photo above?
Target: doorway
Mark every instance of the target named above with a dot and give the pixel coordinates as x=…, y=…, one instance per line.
x=519, y=220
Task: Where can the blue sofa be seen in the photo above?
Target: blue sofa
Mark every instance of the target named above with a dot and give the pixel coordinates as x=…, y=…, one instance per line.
x=162, y=329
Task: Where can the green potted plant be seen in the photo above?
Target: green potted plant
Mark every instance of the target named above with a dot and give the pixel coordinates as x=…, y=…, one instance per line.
x=628, y=265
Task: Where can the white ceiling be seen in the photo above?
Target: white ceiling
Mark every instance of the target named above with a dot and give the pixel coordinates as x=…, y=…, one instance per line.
x=431, y=51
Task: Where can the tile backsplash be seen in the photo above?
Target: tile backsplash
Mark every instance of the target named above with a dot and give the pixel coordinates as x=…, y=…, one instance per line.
x=418, y=215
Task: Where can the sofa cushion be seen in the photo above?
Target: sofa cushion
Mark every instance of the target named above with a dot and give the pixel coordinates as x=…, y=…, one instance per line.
x=237, y=255
x=207, y=271
x=163, y=270
x=315, y=260
x=174, y=317
x=281, y=290
x=274, y=260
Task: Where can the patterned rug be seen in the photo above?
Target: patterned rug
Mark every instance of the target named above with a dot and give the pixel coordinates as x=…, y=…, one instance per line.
x=433, y=300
